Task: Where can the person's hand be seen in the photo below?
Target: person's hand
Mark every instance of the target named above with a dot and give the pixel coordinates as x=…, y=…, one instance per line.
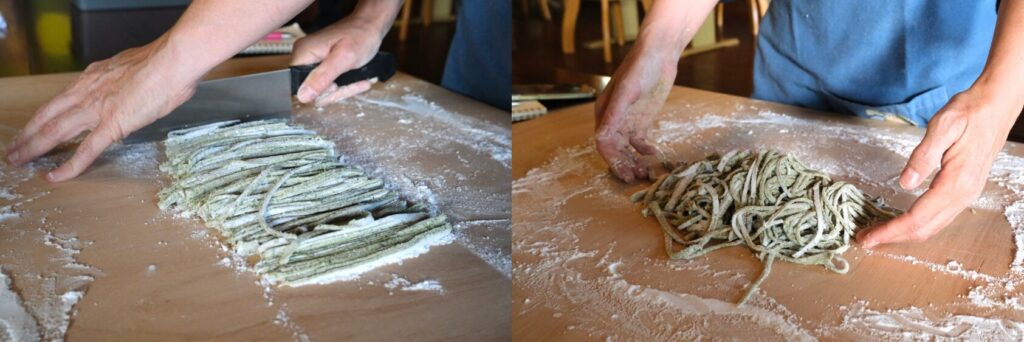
x=627, y=106
x=111, y=99
x=343, y=46
x=962, y=141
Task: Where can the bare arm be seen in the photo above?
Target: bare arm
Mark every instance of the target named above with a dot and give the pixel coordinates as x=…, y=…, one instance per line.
x=625, y=109
x=211, y=31
x=117, y=96
x=963, y=139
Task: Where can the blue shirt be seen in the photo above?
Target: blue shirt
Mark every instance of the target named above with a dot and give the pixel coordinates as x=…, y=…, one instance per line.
x=479, y=61
x=872, y=58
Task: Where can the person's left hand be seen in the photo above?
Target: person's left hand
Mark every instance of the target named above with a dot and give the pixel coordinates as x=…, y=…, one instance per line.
x=343, y=46
x=962, y=140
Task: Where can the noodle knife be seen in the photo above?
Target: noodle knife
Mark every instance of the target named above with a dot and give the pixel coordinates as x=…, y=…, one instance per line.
x=252, y=97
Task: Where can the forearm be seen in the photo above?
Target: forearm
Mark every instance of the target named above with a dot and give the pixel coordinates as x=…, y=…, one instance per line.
x=671, y=24
x=1004, y=70
x=211, y=31
x=378, y=14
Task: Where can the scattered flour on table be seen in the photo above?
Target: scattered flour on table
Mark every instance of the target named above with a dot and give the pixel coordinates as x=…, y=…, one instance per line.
x=47, y=293
x=913, y=324
x=551, y=262
x=564, y=276
x=455, y=164
x=16, y=324
x=282, y=319
x=397, y=282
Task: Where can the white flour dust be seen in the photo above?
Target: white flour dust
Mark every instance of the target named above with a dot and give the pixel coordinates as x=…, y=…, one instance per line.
x=400, y=283
x=454, y=163
x=16, y=324
x=47, y=290
x=599, y=291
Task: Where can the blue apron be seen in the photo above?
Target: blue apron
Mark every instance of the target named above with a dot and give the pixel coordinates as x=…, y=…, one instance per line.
x=880, y=59
x=479, y=61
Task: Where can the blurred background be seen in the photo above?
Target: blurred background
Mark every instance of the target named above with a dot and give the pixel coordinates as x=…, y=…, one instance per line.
x=561, y=55
x=51, y=36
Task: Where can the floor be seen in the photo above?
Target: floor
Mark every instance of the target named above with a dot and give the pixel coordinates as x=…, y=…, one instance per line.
x=537, y=55
x=49, y=36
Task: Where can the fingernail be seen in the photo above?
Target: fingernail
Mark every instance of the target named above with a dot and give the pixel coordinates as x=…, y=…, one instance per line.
x=869, y=244
x=51, y=177
x=306, y=94
x=13, y=157
x=913, y=179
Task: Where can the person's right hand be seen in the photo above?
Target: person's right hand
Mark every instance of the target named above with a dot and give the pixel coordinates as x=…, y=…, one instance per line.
x=627, y=106
x=343, y=46
x=112, y=98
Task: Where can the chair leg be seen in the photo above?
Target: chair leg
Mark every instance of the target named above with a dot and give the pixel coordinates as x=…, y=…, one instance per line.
x=403, y=21
x=572, y=10
x=719, y=16
x=544, y=10
x=755, y=17
x=606, y=35
x=646, y=4
x=620, y=30
x=427, y=12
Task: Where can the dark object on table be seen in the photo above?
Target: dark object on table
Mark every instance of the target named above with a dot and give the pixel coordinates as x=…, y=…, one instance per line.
x=528, y=92
x=101, y=5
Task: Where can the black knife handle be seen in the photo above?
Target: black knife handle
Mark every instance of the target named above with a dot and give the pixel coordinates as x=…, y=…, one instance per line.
x=382, y=66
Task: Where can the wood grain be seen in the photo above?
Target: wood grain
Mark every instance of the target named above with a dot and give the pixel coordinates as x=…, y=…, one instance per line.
x=605, y=227
x=112, y=210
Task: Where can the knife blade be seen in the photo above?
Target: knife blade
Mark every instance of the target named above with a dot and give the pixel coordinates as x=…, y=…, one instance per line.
x=252, y=97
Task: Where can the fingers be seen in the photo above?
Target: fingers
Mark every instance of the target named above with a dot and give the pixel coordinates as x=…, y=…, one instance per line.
x=338, y=61
x=641, y=145
x=928, y=154
x=619, y=165
x=341, y=93
x=60, y=104
x=934, y=210
x=87, y=152
x=611, y=143
x=52, y=133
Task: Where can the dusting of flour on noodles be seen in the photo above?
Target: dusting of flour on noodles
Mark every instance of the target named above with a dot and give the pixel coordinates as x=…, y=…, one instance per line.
x=561, y=275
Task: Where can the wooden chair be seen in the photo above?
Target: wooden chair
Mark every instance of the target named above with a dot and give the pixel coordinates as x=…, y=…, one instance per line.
x=608, y=9
x=572, y=7
x=426, y=15
x=545, y=10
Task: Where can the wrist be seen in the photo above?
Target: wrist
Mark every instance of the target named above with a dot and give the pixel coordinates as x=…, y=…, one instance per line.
x=1006, y=99
x=662, y=37
x=376, y=14
x=166, y=54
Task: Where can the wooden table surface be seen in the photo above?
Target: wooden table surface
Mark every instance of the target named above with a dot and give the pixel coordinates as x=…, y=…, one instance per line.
x=158, y=277
x=587, y=265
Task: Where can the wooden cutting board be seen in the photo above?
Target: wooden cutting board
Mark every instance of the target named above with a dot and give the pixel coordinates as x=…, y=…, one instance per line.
x=587, y=265
x=158, y=277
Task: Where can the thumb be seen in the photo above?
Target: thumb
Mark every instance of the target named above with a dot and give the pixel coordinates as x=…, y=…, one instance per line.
x=309, y=49
x=338, y=61
x=927, y=156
